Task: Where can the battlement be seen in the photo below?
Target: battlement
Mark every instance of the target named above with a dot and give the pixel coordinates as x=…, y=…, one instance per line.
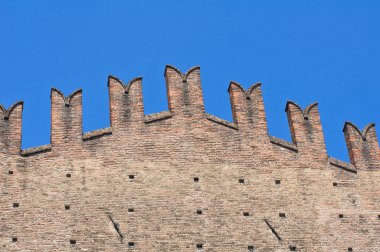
x=185, y=180
x=185, y=99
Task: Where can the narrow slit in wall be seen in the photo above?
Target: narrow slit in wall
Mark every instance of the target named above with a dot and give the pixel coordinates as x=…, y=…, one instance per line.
x=116, y=226
x=273, y=230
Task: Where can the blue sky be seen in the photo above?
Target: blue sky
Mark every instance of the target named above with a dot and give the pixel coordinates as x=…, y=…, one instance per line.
x=304, y=51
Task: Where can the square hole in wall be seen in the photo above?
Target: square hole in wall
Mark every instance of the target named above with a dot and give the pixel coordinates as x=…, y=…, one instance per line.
x=241, y=181
x=68, y=175
x=277, y=181
x=349, y=249
x=340, y=215
x=246, y=214
x=10, y=172
x=292, y=248
x=131, y=177
x=196, y=179
x=282, y=215
x=199, y=211
x=378, y=216
x=199, y=246
x=73, y=242
x=131, y=244
x=67, y=207
x=250, y=248
x=131, y=210
x=14, y=239
x=335, y=184
x=16, y=204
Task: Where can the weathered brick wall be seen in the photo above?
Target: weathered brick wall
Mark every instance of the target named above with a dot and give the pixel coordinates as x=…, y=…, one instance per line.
x=184, y=180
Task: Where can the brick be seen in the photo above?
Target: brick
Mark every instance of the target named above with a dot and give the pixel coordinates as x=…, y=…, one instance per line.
x=182, y=179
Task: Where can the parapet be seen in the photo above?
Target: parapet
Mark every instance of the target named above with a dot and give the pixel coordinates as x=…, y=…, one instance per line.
x=185, y=96
x=10, y=128
x=306, y=129
x=363, y=146
x=248, y=109
x=126, y=106
x=185, y=102
x=66, y=117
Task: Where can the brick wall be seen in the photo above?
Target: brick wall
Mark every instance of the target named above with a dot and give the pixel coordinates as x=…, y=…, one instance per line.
x=184, y=180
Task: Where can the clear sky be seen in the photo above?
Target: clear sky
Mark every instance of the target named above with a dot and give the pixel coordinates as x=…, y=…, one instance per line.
x=304, y=51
